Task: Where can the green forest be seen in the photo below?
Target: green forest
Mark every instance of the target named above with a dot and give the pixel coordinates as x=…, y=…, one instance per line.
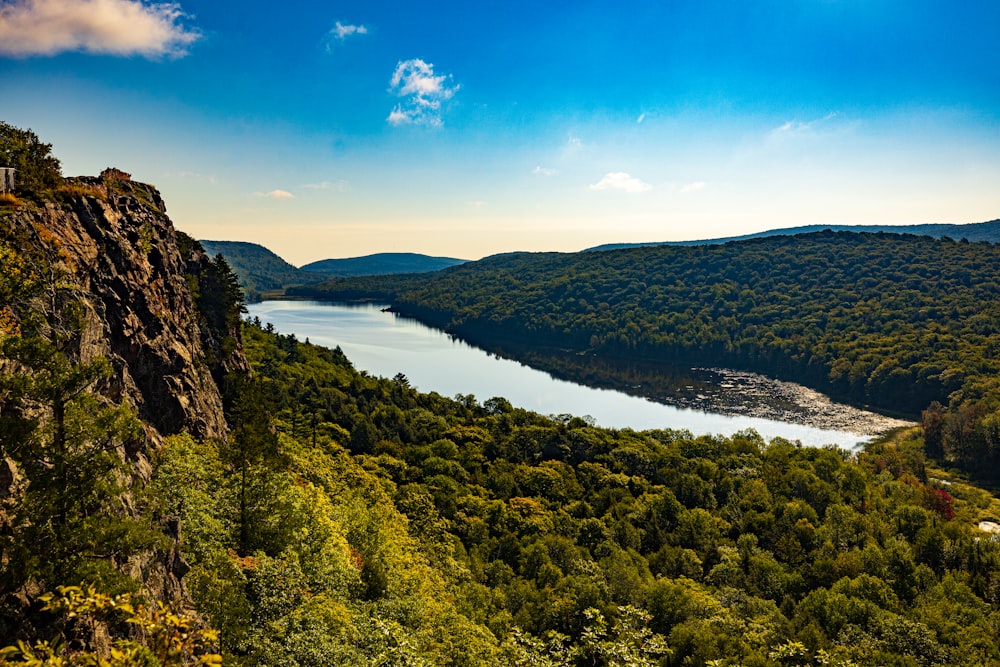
x=259, y=269
x=378, y=525
x=345, y=519
x=351, y=520
x=904, y=324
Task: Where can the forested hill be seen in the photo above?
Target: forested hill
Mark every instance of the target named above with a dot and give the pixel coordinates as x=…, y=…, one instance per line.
x=389, y=527
x=259, y=269
x=977, y=231
x=382, y=263
x=893, y=321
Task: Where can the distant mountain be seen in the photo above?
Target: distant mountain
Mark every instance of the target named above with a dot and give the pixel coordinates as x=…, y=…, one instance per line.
x=381, y=264
x=259, y=269
x=978, y=231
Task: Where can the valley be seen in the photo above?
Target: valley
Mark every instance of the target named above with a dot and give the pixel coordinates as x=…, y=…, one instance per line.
x=245, y=495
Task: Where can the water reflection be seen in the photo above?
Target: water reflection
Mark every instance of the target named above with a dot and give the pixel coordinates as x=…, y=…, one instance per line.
x=384, y=344
x=717, y=390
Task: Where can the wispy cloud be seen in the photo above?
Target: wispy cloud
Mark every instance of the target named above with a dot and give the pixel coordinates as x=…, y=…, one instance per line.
x=276, y=194
x=115, y=27
x=192, y=175
x=544, y=171
x=337, y=186
x=641, y=118
x=794, y=127
x=341, y=31
x=621, y=181
x=423, y=92
x=693, y=187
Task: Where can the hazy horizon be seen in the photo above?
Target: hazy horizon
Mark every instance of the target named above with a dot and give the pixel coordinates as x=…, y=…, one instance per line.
x=300, y=264
x=464, y=130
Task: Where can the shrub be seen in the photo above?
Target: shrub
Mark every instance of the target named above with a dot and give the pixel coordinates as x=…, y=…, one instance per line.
x=38, y=171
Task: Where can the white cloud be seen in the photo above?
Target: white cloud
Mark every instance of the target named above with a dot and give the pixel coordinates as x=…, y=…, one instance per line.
x=399, y=117
x=341, y=31
x=276, y=194
x=693, y=187
x=423, y=92
x=544, y=171
x=641, y=118
x=338, y=186
x=115, y=27
x=619, y=180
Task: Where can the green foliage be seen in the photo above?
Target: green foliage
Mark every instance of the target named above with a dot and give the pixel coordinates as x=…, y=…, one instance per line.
x=472, y=534
x=259, y=269
x=164, y=637
x=38, y=171
x=892, y=321
x=350, y=520
x=218, y=297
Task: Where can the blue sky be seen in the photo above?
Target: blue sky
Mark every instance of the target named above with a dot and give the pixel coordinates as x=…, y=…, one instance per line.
x=338, y=129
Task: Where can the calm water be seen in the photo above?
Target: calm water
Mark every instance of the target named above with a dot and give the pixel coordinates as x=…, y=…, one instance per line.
x=384, y=344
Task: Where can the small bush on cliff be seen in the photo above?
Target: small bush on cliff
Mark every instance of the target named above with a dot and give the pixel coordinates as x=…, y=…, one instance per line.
x=159, y=635
x=38, y=171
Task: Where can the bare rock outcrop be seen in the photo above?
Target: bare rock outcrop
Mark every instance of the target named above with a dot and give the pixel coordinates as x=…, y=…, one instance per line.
x=114, y=236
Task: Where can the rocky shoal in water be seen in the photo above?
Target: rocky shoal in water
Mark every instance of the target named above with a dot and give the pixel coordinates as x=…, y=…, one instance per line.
x=741, y=393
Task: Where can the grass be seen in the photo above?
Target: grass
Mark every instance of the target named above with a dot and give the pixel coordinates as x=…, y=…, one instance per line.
x=81, y=190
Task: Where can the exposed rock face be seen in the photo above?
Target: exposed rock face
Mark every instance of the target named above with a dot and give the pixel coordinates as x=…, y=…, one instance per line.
x=137, y=280
x=117, y=240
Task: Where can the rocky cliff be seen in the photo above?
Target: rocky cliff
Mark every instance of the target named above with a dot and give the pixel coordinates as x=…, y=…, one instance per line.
x=137, y=282
x=145, y=297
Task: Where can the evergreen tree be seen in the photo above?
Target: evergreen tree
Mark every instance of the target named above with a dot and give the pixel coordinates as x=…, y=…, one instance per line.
x=71, y=520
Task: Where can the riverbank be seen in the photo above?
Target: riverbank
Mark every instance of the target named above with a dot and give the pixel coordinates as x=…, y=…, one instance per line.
x=720, y=391
x=716, y=390
x=560, y=383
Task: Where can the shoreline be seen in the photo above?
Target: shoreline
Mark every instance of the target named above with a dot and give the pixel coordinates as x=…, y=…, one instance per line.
x=743, y=393
x=706, y=389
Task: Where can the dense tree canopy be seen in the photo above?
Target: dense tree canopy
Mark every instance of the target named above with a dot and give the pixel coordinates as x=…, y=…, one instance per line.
x=394, y=526
x=259, y=269
x=349, y=519
x=892, y=321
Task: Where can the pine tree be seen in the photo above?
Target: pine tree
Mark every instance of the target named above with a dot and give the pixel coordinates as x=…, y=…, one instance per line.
x=71, y=520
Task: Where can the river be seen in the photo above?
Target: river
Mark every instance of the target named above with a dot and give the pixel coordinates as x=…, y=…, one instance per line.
x=385, y=344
